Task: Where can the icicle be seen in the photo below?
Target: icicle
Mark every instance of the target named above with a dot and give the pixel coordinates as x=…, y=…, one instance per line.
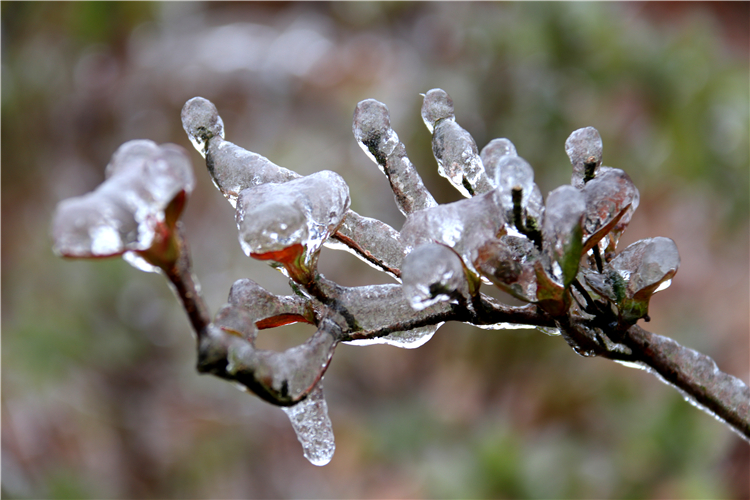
x=434, y=273
x=372, y=129
x=310, y=421
x=454, y=148
x=584, y=148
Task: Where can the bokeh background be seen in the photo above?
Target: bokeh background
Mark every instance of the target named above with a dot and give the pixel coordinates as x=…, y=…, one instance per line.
x=100, y=398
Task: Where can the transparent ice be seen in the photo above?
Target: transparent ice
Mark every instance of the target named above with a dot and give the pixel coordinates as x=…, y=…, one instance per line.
x=509, y=262
x=310, y=421
x=434, y=273
x=123, y=213
x=305, y=211
x=491, y=155
x=584, y=146
x=453, y=147
x=561, y=231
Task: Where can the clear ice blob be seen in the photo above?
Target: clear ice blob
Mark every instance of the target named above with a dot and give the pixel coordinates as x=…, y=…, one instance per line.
x=232, y=168
x=312, y=425
x=509, y=263
x=289, y=222
x=584, y=148
x=133, y=212
x=453, y=147
x=434, y=273
x=373, y=132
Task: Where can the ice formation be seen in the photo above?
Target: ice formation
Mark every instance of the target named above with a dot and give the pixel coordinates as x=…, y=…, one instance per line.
x=584, y=148
x=313, y=427
x=434, y=273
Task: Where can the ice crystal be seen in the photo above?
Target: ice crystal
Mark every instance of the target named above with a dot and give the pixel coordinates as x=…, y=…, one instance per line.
x=313, y=427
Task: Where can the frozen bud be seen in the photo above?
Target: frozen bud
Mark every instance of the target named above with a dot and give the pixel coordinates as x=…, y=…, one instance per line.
x=201, y=122
x=289, y=222
x=433, y=273
x=584, y=148
x=509, y=263
x=437, y=106
x=491, y=155
x=463, y=226
x=133, y=212
x=372, y=130
x=608, y=197
x=514, y=173
x=561, y=232
x=614, y=236
x=639, y=271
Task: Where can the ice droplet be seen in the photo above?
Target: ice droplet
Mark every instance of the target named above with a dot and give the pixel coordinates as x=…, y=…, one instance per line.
x=584, y=148
x=312, y=425
x=304, y=211
x=464, y=225
x=453, y=147
x=433, y=273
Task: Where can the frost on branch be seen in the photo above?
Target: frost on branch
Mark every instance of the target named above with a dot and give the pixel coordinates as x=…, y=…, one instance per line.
x=133, y=212
x=559, y=255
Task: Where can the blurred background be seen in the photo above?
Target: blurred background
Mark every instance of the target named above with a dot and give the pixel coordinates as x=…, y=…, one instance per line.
x=100, y=398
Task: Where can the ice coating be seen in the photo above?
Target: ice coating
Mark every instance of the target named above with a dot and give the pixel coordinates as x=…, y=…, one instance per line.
x=312, y=425
x=514, y=174
x=305, y=211
x=491, y=155
x=509, y=263
x=143, y=187
x=373, y=132
x=608, y=197
x=267, y=309
x=463, y=225
x=614, y=236
x=453, y=147
x=561, y=231
x=232, y=168
x=434, y=273
x=584, y=148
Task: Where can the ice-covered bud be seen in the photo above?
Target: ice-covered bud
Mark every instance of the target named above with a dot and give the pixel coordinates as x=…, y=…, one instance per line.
x=437, y=106
x=433, y=273
x=491, y=155
x=289, y=222
x=584, y=148
x=266, y=309
x=608, y=197
x=642, y=269
x=133, y=212
x=201, y=122
x=509, y=262
x=463, y=225
x=561, y=232
x=614, y=236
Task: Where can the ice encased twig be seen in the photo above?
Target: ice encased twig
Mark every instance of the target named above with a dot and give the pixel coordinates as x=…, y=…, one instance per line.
x=372, y=130
x=434, y=273
x=453, y=147
x=312, y=425
x=584, y=148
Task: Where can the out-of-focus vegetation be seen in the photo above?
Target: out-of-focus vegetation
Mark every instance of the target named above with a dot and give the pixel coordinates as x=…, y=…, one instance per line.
x=99, y=395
